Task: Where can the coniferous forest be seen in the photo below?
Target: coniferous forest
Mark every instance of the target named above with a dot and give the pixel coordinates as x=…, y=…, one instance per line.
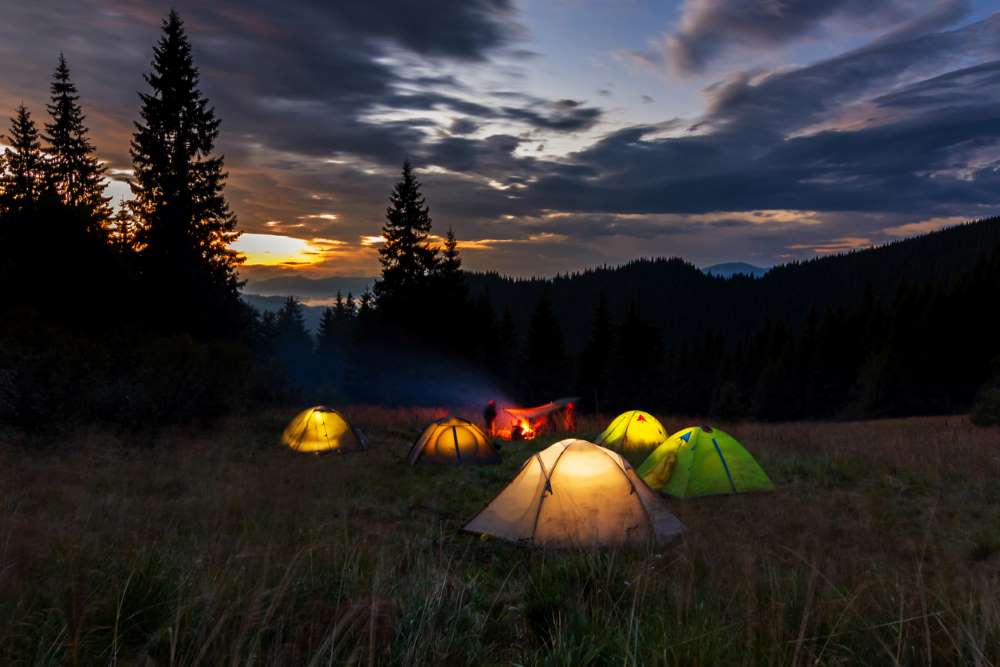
x=133, y=315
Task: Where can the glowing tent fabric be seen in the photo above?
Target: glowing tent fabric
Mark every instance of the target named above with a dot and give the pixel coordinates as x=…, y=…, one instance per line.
x=453, y=441
x=322, y=429
x=576, y=493
x=633, y=432
x=702, y=461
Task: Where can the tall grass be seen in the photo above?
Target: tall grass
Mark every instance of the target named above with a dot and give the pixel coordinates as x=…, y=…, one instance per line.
x=219, y=547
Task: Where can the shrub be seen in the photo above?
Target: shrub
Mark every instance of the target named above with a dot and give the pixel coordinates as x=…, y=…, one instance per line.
x=986, y=411
x=55, y=379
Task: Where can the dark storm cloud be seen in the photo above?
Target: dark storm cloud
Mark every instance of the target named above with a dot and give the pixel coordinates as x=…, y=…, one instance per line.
x=302, y=77
x=476, y=156
x=321, y=101
x=290, y=76
x=951, y=89
x=708, y=27
x=466, y=29
x=785, y=101
x=931, y=152
x=563, y=115
x=902, y=166
x=463, y=126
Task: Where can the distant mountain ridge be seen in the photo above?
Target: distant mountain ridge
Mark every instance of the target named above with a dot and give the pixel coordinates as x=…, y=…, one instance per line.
x=273, y=303
x=730, y=269
x=685, y=303
x=303, y=287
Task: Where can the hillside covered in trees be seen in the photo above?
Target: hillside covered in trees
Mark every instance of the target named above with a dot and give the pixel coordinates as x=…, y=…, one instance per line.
x=906, y=328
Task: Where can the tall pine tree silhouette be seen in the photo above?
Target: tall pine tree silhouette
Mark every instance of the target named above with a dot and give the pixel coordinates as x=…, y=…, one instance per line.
x=546, y=372
x=72, y=171
x=23, y=166
x=185, y=224
x=596, y=358
x=449, y=270
x=407, y=258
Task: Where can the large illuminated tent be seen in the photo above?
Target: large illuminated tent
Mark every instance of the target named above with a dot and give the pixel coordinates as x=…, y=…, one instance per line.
x=702, y=461
x=322, y=429
x=453, y=441
x=633, y=432
x=575, y=493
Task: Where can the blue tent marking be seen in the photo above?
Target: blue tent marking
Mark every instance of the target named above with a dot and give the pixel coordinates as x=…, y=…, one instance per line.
x=725, y=466
x=686, y=437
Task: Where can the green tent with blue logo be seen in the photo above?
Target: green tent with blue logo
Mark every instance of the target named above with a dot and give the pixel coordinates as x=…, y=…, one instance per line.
x=702, y=461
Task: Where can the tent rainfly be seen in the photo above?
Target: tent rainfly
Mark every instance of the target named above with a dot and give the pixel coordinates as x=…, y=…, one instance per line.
x=453, y=441
x=702, y=461
x=575, y=493
x=322, y=429
x=633, y=432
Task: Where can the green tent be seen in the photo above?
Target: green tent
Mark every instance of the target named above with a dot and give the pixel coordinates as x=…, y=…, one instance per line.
x=702, y=461
x=631, y=432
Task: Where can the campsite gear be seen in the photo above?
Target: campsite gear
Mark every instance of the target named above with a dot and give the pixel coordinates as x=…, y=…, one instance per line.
x=576, y=493
x=453, y=441
x=633, y=432
x=322, y=429
x=526, y=423
x=708, y=462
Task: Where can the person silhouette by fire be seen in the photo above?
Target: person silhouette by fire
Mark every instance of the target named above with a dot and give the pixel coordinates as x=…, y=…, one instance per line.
x=490, y=417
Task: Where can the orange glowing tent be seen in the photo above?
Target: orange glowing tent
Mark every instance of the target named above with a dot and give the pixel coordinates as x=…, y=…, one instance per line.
x=454, y=441
x=322, y=429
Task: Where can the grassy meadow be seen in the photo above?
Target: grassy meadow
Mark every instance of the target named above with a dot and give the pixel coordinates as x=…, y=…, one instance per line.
x=217, y=546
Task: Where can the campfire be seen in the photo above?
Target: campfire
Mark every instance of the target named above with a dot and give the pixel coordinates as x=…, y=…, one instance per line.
x=515, y=423
x=519, y=429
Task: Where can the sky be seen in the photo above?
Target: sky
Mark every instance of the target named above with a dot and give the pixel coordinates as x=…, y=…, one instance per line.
x=554, y=135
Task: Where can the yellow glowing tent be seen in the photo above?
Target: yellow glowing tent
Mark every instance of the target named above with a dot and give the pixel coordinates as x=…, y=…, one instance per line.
x=454, y=441
x=633, y=432
x=576, y=493
x=322, y=429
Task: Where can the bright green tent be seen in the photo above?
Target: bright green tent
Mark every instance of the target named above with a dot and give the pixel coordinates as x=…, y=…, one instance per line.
x=631, y=432
x=702, y=461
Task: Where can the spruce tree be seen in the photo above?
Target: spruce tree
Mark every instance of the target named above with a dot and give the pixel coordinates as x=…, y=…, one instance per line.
x=366, y=303
x=545, y=376
x=350, y=307
x=451, y=263
x=339, y=310
x=449, y=271
x=72, y=170
x=122, y=229
x=507, y=352
x=639, y=359
x=185, y=224
x=407, y=258
x=595, y=362
x=23, y=166
x=326, y=335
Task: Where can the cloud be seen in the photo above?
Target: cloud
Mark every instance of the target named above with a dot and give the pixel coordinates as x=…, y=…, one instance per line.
x=562, y=115
x=792, y=99
x=463, y=126
x=709, y=27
